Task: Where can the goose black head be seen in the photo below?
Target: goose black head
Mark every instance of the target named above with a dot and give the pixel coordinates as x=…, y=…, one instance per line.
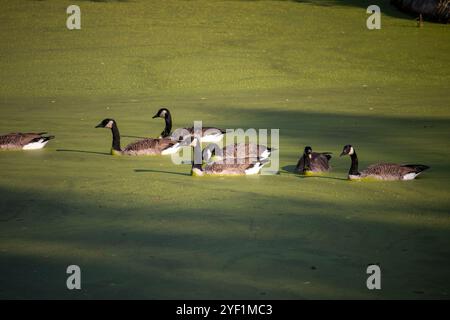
x=162, y=113
x=106, y=123
x=308, y=151
x=348, y=150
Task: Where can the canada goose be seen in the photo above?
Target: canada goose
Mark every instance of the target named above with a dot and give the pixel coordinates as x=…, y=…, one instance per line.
x=244, y=167
x=140, y=147
x=236, y=151
x=209, y=134
x=382, y=171
x=313, y=162
x=24, y=141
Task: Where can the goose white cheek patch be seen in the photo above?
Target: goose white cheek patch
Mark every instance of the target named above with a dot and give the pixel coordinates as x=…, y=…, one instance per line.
x=351, y=151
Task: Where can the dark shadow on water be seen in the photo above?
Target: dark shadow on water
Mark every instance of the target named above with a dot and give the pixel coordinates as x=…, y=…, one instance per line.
x=161, y=171
x=134, y=251
x=290, y=169
x=321, y=177
x=385, y=5
x=84, y=151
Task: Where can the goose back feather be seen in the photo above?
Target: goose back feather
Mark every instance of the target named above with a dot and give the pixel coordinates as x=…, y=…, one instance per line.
x=150, y=147
x=245, y=150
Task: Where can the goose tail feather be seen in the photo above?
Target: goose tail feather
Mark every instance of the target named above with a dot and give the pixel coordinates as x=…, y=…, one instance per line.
x=418, y=168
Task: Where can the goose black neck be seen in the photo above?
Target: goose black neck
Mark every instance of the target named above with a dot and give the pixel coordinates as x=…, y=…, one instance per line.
x=196, y=158
x=307, y=165
x=354, y=166
x=116, y=137
x=168, y=127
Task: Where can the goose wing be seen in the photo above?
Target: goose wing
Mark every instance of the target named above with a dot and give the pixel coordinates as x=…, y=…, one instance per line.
x=165, y=143
x=319, y=161
x=230, y=168
x=388, y=170
x=243, y=150
x=148, y=146
x=300, y=164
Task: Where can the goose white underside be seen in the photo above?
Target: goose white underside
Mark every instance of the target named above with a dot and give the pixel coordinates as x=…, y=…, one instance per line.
x=35, y=145
x=255, y=169
x=197, y=172
x=410, y=176
x=171, y=150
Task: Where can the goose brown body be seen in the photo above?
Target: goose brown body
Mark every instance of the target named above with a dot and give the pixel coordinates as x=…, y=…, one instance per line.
x=245, y=150
x=17, y=141
x=236, y=151
x=390, y=171
x=319, y=163
x=148, y=146
x=216, y=168
x=314, y=162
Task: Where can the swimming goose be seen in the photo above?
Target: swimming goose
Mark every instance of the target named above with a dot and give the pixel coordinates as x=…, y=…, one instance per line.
x=237, y=151
x=24, y=141
x=382, y=171
x=246, y=166
x=209, y=134
x=313, y=162
x=140, y=147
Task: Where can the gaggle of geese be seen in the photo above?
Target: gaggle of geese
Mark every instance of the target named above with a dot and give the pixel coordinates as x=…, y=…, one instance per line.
x=233, y=159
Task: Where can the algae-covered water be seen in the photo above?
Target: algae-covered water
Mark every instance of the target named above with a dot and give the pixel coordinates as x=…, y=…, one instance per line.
x=142, y=227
